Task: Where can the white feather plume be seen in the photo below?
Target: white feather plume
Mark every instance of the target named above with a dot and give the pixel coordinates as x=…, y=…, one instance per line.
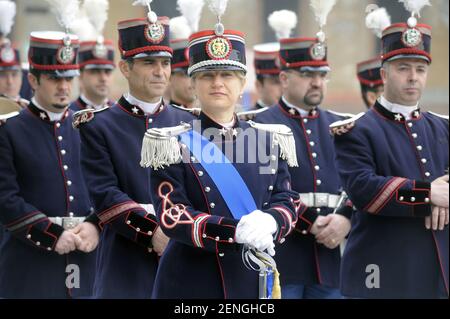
x=66, y=11
x=321, y=9
x=415, y=6
x=283, y=22
x=218, y=7
x=179, y=28
x=144, y=3
x=151, y=15
x=83, y=28
x=191, y=10
x=7, y=14
x=378, y=20
x=97, y=13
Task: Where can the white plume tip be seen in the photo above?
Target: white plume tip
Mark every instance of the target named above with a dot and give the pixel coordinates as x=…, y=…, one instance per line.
x=415, y=6
x=218, y=7
x=191, y=10
x=7, y=14
x=322, y=9
x=377, y=19
x=283, y=22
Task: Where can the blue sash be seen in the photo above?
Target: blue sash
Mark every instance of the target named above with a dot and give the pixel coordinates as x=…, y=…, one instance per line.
x=229, y=182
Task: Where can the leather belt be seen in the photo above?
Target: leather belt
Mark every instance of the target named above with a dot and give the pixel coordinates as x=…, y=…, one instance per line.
x=67, y=222
x=320, y=199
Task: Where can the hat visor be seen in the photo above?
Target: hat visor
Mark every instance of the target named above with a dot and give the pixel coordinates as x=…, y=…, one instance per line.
x=268, y=75
x=409, y=56
x=99, y=67
x=324, y=68
x=219, y=68
x=62, y=73
x=180, y=70
x=153, y=54
x=10, y=68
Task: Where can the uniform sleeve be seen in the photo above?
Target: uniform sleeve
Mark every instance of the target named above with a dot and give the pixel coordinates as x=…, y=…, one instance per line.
x=306, y=219
x=113, y=207
x=285, y=204
x=308, y=215
x=23, y=220
x=346, y=209
x=181, y=221
x=391, y=196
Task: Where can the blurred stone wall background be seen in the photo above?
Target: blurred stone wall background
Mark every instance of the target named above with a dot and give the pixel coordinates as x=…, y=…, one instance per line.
x=349, y=41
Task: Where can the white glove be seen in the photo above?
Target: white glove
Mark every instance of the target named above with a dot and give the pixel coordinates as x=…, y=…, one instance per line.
x=256, y=230
x=149, y=208
x=266, y=243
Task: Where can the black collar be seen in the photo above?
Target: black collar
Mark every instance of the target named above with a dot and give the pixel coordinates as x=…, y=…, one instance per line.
x=258, y=106
x=136, y=110
x=172, y=102
x=215, y=130
x=43, y=115
x=83, y=105
x=396, y=117
x=291, y=112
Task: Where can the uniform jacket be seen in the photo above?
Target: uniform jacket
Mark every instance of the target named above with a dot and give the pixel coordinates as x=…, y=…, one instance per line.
x=387, y=164
x=111, y=149
x=301, y=260
x=202, y=259
x=41, y=177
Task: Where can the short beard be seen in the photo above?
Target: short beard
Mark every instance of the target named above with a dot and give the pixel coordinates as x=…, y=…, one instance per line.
x=308, y=102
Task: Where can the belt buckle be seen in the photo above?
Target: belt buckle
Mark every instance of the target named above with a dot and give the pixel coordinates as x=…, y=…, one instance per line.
x=320, y=200
x=69, y=223
x=311, y=199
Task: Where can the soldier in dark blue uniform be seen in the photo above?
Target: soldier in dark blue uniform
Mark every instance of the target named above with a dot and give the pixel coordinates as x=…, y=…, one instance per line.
x=181, y=90
x=43, y=197
x=10, y=66
x=111, y=147
x=200, y=200
x=309, y=260
x=368, y=72
x=95, y=57
x=10, y=75
x=267, y=62
x=267, y=71
x=393, y=161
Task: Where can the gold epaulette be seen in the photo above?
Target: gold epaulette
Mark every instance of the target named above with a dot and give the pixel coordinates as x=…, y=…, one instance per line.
x=345, y=126
x=160, y=146
x=283, y=137
x=250, y=115
x=85, y=116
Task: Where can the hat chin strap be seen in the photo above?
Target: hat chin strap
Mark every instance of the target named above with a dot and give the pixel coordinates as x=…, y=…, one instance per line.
x=202, y=64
